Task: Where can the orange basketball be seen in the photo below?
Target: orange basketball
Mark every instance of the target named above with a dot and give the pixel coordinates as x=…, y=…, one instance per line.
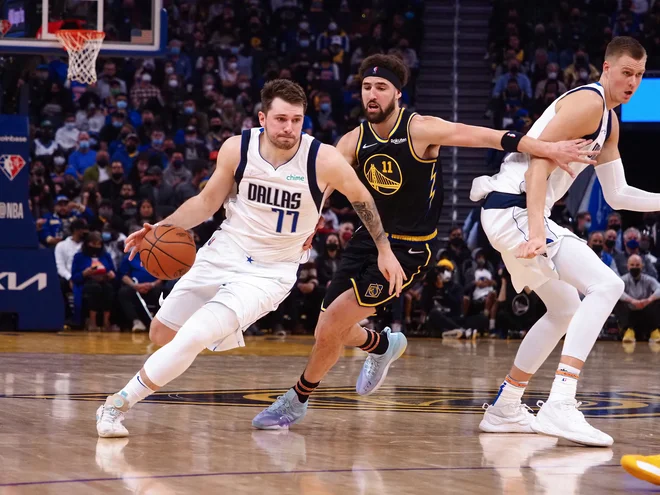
x=167, y=252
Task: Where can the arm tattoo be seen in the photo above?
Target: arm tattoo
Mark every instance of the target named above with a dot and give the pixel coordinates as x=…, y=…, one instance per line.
x=371, y=219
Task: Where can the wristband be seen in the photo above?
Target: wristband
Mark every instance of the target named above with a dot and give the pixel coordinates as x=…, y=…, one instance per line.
x=510, y=141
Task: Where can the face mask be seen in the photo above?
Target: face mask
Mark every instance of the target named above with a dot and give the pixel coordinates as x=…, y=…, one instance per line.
x=243, y=86
x=587, y=225
x=584, y=75
x=191, y=140
x=169, y=70
x=106, y=236
x=117, y=175
x=446, y=276
x=84, y=144
x=59, y=160
x=116, y=124
x=157, y=142
x=325, y=107
x=456, y=242
x=347, y=235
x=514, y=69
x=209, y=87
x=304, y=43
x=146, y=78
x=632, y=244
x=552, y=76
x=173, y=83
x=130, y=212
x=332, y=247
x=644, y=246
x=94, y=251
x=598, y=248
x=177, y=163
x=188, y=110
x=615, y=226
x=102, y=162
x=332, y=26
x=70, y=126
x=304, y=26
x=175, y=50
x=481, y=262
x=233, y=66
x=635, y=272
x=610, y=243
x=234, y=50
x=131, y=148
x=216, y=128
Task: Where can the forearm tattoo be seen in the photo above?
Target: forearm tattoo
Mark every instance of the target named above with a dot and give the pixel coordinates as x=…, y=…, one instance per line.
x=371, y=219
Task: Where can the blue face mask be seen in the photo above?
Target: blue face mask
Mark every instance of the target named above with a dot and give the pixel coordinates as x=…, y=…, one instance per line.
x=175, y=50
x=188, y=110
x=116, y=123
x=325, y=107
x=157, y=142
x=587, y=225
x=632, y=244
x=106, y=236
x=121, y=104
x=84, y=144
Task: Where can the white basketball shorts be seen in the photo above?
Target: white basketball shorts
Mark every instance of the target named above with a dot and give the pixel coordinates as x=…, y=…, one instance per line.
x=506, y=229
x=224, y=273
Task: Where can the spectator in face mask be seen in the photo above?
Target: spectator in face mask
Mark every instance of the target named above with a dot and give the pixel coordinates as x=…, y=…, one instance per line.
x=441, y=301
x=160, y=194
x=346, y=230
x=597, y=243
x=580, y=72
x=457, y=250
x=554, y=74
x=64, y=253
x=328, y=261
x=330, y=218
x=113, y=239
x=143, y=92
x=83, y=157
x=67, y=136
x=609, y=244
x=187, y=190
x=193, y=148
x=189, y=111
x=43, y=145
x=107, y=77
x=180, y=60
x=514, y=73
x=631, y=240
x=214, y=137
x=176, y=173
x=155, y=149
x=99, y=172
x=128, y=153
x=614, y=223
x=110, y=189
x=583, y=224
x=640, y=295
x=92, y=274
x=229, y=74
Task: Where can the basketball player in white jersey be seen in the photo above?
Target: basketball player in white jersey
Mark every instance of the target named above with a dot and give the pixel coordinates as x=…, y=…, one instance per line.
x=550, y=259
x=272, y=182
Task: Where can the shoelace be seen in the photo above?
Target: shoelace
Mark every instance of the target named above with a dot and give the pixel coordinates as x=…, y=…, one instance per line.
x=282, y=406
x=570, y=405
x=114, y=413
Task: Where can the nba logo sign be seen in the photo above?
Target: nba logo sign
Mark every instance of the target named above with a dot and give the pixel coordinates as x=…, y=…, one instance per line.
x=375, y=69
x=11, y=165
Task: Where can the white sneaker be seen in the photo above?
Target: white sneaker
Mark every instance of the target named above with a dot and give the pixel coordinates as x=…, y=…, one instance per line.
x=109, y=422
x=138, y=326
x=563, y=419
x=512, y=417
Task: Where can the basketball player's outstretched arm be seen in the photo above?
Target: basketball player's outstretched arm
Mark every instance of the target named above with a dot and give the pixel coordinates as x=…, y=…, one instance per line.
x=433, y=131
x=334, y=172
x=206, y=203
x=578, y=114
x=618, y=194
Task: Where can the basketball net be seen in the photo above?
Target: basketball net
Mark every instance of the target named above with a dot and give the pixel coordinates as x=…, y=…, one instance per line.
x=83, y=47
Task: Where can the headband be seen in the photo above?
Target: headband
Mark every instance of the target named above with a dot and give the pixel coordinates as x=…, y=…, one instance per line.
x=378, y=71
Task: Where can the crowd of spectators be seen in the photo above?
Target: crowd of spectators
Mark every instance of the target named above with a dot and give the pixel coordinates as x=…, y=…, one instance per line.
x=134, y=146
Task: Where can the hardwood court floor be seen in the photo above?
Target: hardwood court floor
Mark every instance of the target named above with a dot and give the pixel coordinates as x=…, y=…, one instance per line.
x=418, y=434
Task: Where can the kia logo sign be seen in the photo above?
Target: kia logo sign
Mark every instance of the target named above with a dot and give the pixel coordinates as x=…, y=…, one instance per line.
x=8, y=281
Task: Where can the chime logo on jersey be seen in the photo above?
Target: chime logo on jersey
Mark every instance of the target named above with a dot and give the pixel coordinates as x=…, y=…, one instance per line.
x=374, y=290
x=274, y=197
x=383, y=174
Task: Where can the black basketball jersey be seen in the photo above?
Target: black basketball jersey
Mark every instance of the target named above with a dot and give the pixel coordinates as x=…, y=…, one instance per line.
x=407, y=190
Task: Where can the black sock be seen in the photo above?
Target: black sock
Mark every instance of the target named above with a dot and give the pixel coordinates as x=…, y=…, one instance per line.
x=304, y=388
x=376, y=343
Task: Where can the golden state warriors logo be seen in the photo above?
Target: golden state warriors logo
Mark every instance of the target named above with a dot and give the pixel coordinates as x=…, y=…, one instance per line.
x=383, y=174
x=374, y=290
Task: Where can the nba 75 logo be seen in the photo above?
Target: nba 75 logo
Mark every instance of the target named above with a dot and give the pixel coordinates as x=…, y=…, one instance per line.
x=11, y=165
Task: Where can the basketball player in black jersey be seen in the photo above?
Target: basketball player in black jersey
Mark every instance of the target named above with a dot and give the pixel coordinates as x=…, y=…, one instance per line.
x=395, y=154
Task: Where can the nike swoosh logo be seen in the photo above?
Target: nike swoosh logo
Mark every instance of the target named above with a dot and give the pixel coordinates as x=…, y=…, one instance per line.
x=368, y=146
x=416, y=252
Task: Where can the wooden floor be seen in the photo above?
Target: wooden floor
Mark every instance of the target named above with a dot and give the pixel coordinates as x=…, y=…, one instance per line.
x=417, y=435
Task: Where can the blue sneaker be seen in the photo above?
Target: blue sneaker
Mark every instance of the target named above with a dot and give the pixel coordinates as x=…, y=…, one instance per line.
x=287, y=410
x=375, y=367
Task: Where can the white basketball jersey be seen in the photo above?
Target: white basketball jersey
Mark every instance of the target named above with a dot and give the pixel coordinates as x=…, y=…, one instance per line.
x=272, y=211
x=511, y=177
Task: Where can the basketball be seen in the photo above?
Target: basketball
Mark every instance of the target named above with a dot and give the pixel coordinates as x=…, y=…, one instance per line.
x=167, y=252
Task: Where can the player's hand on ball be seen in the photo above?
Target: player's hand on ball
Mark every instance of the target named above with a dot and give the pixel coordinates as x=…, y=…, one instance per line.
x=134, y=240
x=565, y=152
x=531, y=248
x=389, y=266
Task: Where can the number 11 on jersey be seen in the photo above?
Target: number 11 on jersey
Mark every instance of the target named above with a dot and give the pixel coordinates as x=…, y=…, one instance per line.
x=280, y=219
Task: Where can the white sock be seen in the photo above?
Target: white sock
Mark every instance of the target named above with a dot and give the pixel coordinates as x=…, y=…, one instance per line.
x=565, y=384
x=511, y=391
x=135, y=391
x=491, y=324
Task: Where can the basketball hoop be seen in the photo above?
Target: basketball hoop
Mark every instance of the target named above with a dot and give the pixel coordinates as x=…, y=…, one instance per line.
x=83, y=47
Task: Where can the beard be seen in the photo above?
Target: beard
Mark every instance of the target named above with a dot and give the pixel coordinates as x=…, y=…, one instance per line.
x=381, y=115
x=280, y=143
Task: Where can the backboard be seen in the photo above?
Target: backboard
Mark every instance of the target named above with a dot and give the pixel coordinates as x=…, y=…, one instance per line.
x=134, y=28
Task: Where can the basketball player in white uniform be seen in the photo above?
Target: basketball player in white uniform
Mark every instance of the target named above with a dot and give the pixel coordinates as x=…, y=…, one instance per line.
x=550, y=259
x=272, y=182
